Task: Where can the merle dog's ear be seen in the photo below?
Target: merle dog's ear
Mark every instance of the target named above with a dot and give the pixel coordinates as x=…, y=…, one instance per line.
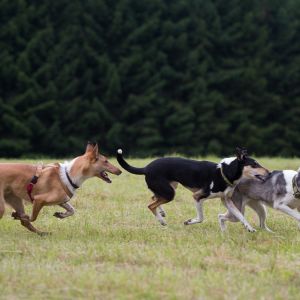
x=241, y=153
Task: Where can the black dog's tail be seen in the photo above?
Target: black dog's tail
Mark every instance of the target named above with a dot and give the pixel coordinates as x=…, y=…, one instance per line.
x=127, y=167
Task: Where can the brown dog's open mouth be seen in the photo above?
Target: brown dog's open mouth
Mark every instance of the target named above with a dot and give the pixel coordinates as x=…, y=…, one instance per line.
x=103, y=175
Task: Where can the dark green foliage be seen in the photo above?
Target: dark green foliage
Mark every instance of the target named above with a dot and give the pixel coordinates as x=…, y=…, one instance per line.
x=152, y=76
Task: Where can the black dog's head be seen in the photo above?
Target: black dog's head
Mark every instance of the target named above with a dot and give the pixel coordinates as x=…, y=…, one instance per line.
x=252, y=169
x=243, y=166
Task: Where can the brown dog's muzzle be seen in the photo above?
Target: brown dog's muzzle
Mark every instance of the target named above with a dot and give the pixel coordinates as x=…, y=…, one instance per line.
x=111, y=169
x=114, y=170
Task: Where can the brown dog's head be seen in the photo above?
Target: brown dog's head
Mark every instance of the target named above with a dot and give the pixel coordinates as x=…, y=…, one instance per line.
x=92, y=163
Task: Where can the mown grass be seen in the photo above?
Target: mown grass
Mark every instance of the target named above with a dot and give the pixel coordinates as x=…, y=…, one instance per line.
x=113, y=248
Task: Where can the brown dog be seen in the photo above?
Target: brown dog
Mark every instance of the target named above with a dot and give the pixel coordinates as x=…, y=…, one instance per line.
x=56, y=184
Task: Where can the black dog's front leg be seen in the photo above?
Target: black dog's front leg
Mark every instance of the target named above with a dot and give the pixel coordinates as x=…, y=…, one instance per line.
x=199, y=198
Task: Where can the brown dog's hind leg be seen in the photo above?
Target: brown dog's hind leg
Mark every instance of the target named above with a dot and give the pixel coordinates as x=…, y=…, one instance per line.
x=26, y=223
x=19, y=214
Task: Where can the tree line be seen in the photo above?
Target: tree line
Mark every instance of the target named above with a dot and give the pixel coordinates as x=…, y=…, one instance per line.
x=194, y=77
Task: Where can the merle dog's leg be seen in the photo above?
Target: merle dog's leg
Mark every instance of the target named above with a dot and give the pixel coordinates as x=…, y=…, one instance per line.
x=228, y=216
x=69, y=211
x=260, y=209
x=235, y=203
x=284, y=208
x=235, y=211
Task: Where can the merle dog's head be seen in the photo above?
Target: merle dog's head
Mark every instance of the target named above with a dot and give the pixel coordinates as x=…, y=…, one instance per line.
x=243, y=165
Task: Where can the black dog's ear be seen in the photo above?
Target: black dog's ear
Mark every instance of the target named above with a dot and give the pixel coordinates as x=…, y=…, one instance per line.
x=241, y=153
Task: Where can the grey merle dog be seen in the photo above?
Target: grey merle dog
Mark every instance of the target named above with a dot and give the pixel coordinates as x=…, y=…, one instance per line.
x=204, y=178
x=279, y=190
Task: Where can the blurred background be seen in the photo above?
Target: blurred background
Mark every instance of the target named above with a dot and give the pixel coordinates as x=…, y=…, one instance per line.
x=195, y=77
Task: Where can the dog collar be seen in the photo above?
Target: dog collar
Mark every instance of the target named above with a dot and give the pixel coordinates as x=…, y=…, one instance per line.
x=295, y=187
x=225, y=178
x=68, y=185
x=34, y=181
x=75, y=186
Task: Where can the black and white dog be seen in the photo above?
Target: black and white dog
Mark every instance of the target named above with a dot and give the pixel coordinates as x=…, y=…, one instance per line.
x=204, y=178
x=280, y=190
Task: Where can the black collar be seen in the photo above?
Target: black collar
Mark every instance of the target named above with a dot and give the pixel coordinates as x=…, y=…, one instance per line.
x=295, y=187
x=70, y=180
x=228, y=182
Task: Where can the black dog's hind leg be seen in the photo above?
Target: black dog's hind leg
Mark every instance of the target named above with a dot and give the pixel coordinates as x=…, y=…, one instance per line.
x=163, y=193
x=160, y=208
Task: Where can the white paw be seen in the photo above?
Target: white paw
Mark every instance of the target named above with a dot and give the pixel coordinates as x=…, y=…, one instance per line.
x=250, y=228
x=222, y=224
x=160, y=219
x=192, y=221
x=268, y=229
x=162, y=222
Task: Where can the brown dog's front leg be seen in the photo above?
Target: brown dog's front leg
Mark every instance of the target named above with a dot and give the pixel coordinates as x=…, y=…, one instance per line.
x=37, y=206
x=69, y=211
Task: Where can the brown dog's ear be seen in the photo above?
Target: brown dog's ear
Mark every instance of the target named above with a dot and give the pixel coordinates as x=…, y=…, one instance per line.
x=95, y=151
x=241, y=153
x=90, y=146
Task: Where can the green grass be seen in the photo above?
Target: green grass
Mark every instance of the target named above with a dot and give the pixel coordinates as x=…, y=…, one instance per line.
x=113, y=248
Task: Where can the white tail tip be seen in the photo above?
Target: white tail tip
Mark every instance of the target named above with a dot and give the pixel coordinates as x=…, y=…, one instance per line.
x=120, y=151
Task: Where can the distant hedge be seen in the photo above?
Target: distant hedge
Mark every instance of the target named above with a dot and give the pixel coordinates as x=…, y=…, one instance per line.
x=153, y=76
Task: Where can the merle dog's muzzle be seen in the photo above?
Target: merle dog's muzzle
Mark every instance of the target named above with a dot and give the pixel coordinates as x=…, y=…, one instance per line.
x=263, y=178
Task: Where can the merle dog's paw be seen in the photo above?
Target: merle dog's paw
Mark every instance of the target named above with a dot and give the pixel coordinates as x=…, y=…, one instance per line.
x=59, y=215
x=187, y=222
x=250, y=228
x=193, y=221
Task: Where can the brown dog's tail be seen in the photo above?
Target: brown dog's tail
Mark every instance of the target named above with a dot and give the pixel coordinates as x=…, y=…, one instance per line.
x=127, y=167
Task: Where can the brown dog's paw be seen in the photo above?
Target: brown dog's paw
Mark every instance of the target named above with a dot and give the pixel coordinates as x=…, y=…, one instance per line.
x=15, y=215
x=43, y=233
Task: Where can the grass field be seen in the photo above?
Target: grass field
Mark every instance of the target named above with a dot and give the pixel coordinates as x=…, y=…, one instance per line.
x=113, y=248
